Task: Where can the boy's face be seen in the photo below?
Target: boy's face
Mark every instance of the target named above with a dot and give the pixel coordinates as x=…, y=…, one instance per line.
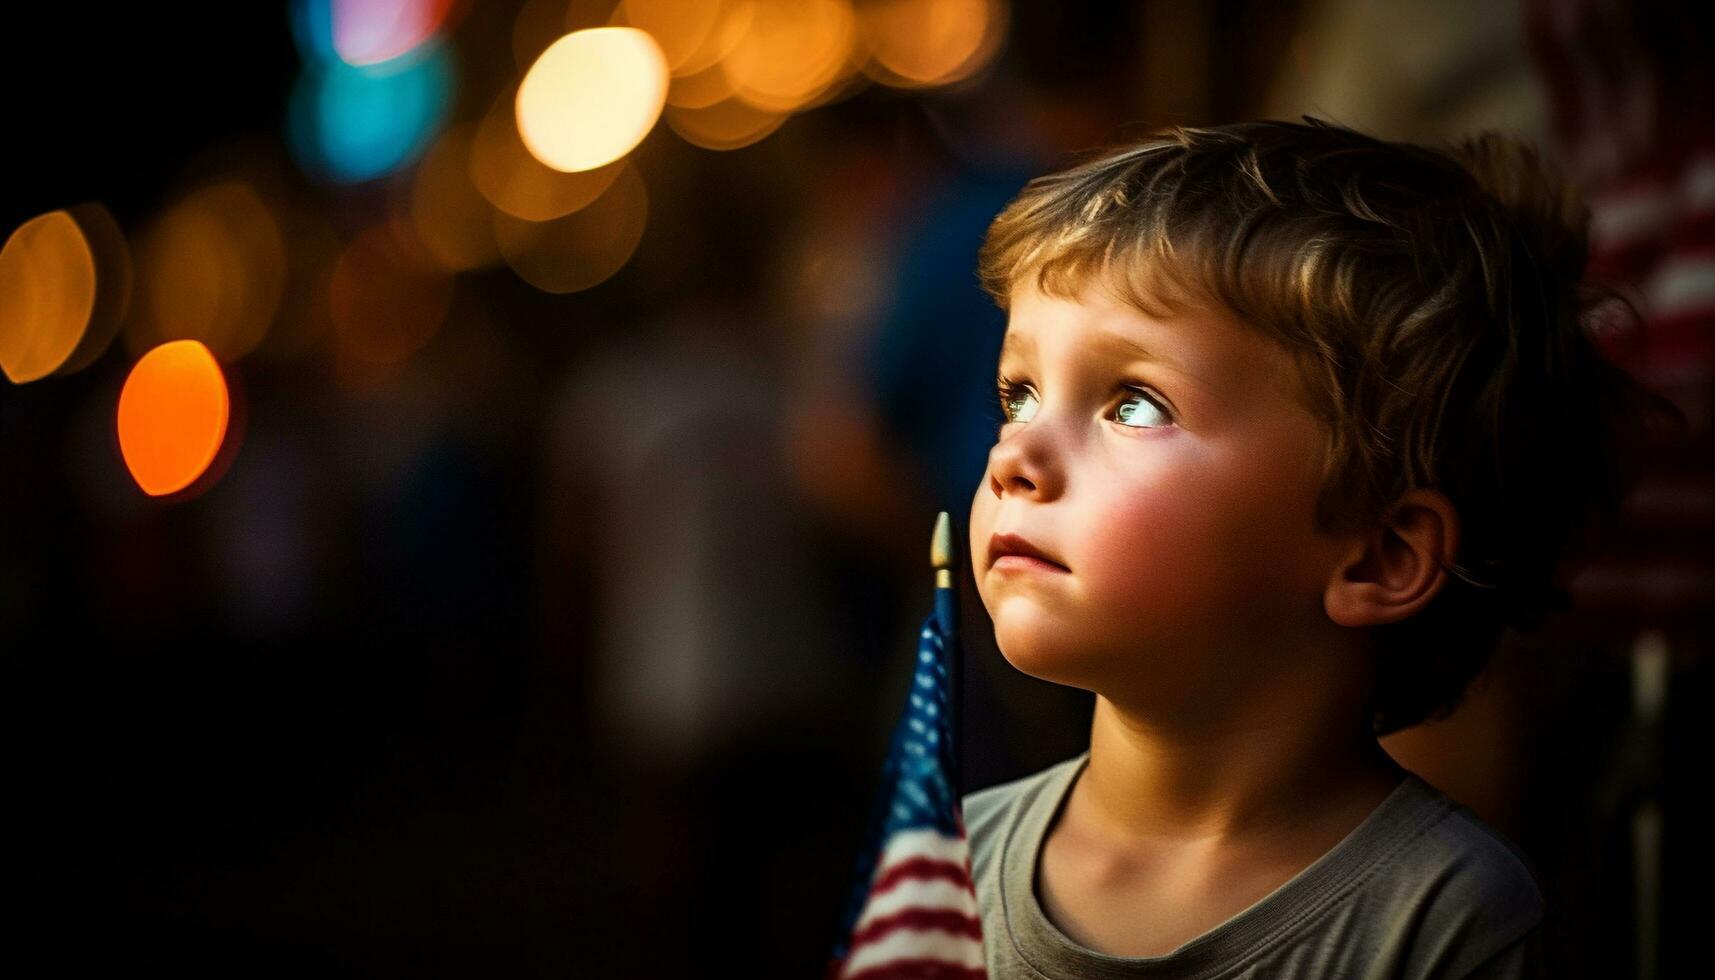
x=1177, y=494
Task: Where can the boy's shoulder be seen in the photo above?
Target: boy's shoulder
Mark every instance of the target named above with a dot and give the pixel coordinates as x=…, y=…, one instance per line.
x=1450, y=891
x=1458, y=866
x=1423, y=884
x=988, y=811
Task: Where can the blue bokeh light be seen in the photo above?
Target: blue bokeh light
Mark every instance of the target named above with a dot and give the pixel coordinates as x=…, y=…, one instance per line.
x=351, y=124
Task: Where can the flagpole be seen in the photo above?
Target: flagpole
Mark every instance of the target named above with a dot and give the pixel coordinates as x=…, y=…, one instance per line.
x=903, y=918
x=941, y=557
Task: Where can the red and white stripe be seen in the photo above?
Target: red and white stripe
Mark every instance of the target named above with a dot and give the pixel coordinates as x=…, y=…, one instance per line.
x=921, y=921
x=1645, y=156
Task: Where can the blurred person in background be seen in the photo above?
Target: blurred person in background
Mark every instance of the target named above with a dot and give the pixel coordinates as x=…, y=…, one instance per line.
x=719, y=685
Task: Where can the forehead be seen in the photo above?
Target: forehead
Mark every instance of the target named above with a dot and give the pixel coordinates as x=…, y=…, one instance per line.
x=1209, y=350
x=1095, y=320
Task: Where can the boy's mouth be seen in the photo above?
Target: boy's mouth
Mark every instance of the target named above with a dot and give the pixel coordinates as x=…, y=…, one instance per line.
x=1014, y=546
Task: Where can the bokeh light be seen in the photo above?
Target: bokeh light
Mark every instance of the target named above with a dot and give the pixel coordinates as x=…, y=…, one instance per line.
x=540, y=23
x=312, y=30
x=515, y=182
x=367, y=32
x=700, y=90
x=386, y=303
x=591, y=97
x=47, y=292
x=212, y=268
x=732, y=22
x=683, y=28
x=917, y=43
x=726, y=125
x=449, y=217
x=792, y=52
x=173, y=413
x=113, y=283
x=582, y=249
x=349, y=123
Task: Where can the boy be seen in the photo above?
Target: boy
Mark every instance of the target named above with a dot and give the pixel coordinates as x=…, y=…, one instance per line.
x=1294, y=422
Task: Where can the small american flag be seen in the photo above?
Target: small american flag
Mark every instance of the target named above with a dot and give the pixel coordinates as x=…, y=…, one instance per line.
x=913, y=912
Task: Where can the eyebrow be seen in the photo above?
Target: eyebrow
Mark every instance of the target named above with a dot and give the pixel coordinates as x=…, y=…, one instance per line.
x=1109, y=340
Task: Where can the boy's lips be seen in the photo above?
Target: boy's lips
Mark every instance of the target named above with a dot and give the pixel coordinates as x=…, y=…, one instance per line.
x=1015, y=546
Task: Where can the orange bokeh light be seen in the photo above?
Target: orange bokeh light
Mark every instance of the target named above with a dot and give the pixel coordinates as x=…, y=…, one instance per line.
x=581, y=249
x=682, y=27
x=212, y=268
x=449, y=216
x=113, y=283
x=173, y=412
x=515, y=182
x=916, y=43
x=792, y=53
x=701, y=90
x=47, y=292
x=726, y=125
x=385, y=303
x=540, y=23
x=732, y=22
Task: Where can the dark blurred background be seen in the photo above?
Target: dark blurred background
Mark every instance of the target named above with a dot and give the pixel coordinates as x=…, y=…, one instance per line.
x=549, y=600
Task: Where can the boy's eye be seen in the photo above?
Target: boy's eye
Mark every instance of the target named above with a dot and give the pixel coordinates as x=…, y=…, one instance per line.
x=1142, y=410
x=1139, y=409
x=1017, y=402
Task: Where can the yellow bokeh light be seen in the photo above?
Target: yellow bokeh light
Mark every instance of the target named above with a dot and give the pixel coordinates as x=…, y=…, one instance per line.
x=793, y=52
x=173, y=412
x=448, y=215
x=47, y=292
x=916, y=43
x=213, y=269
x=726, y=125
x=515, y=182
x=591, y=97
x=582, y=249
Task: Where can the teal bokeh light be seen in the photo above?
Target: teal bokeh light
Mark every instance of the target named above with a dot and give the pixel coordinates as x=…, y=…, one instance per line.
x=312, y=29
x=351, y=124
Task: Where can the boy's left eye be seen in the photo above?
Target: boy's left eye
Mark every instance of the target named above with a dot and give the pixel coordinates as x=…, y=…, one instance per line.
x=1142, y=409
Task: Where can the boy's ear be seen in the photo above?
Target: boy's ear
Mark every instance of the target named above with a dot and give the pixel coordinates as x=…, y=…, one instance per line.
x=1395, y=570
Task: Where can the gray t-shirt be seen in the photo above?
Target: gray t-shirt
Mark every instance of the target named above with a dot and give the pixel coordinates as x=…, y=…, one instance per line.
x=1421, y=888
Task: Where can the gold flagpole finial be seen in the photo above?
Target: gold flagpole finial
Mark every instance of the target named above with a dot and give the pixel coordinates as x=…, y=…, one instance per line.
x=941, y=551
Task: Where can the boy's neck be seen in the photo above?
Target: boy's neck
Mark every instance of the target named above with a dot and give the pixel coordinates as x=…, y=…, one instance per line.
x=1230, y=783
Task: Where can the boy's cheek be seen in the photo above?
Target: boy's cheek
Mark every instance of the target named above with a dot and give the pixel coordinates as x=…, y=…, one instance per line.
x=983, y=506
x=1148, y=556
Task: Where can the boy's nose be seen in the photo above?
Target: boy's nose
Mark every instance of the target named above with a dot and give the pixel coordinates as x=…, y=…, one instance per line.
x=1021, y=464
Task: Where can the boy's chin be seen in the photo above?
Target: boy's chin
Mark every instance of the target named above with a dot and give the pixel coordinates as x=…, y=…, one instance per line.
x=1052, y=658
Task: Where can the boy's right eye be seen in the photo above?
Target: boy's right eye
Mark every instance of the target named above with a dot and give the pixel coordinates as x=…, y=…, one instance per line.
x=1017, y=402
